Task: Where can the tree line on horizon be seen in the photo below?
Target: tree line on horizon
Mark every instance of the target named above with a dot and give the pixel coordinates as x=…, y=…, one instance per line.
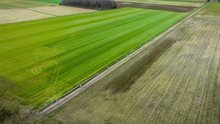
x=94, y=4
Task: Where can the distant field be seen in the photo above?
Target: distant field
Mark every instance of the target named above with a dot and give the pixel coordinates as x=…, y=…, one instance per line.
x=25, y=10
x=168, y=0
x=212, y=9
x=172, y=2
x=42, y=60
x=36, y=13
x=49, y=1
x=10, y=4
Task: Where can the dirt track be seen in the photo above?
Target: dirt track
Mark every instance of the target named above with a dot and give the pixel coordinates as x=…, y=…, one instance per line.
x=181, y=86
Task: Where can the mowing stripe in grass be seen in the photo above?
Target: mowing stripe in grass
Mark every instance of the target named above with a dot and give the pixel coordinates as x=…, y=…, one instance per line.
x=7, y=60
x=61, y=24
x=81, y=51
x=57, y=20
x=48, y=57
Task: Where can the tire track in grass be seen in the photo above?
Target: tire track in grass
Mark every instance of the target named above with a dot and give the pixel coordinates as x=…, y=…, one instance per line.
x=207, y=112
x=200, y=74
x=202, y=52
x=181, y=82
x=162, y=97
x=181, y=79
x=206, y=85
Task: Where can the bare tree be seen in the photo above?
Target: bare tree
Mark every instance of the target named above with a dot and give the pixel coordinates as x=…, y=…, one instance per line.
x=96, y=4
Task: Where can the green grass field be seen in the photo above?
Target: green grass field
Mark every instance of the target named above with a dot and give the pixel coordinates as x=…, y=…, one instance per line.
x=41, y=60
x=49, y=1
x=10, y=4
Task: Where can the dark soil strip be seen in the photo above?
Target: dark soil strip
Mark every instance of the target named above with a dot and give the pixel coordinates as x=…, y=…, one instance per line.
x=173, y=8
x=128, y=73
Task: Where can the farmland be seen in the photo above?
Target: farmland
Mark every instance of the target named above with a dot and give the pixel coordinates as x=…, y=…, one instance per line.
x=12, y=11
x=9, y=4
x=36, y=13
x=109, y=62
x=41, y=60
x=194, y=3
x=49, y=1
x=180, y=86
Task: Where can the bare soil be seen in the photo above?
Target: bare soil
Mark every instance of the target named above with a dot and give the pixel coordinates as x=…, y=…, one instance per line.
x=174, y=8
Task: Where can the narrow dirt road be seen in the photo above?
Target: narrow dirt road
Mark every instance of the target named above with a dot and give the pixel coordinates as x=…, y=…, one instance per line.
x=181, y=86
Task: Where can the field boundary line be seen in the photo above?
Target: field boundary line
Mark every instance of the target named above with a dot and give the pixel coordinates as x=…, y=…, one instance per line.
x=32, y=9
x=86, y=84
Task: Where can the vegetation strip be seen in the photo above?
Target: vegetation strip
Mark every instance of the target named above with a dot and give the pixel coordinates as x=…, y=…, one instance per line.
x=12, y=4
